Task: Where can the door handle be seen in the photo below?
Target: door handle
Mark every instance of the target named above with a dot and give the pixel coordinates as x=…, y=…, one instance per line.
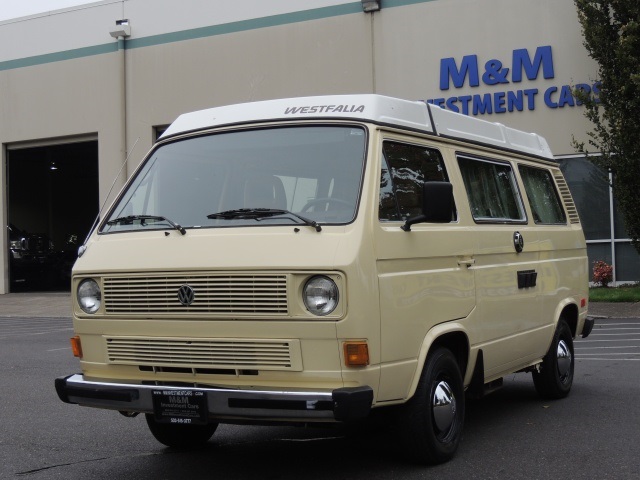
x=466, y=261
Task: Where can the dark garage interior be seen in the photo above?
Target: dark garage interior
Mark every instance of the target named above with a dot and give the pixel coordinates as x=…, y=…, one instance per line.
x=52, y=202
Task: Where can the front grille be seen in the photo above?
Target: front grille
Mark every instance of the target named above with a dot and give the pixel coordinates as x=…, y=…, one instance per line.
x=212, y=354
x=234, y=295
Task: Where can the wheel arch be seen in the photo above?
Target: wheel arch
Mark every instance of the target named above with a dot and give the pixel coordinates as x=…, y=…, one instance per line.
x=569, y=312
x=450, y=336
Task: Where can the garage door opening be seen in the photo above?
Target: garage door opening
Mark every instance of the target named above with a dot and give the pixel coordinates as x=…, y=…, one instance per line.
x=52, y=194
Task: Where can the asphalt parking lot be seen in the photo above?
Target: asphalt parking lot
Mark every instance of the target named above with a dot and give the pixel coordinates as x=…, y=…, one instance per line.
x=511, y=434
x=36, y=304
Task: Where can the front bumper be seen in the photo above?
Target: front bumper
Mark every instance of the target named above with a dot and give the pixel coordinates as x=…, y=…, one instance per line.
x=342, y=404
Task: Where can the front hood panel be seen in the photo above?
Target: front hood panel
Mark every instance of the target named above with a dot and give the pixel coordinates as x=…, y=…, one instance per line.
x=257, y=248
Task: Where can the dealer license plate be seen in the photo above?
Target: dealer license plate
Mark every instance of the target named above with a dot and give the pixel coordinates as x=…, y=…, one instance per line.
x=180, y=406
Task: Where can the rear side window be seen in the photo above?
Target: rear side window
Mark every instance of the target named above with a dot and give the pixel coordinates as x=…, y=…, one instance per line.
x=405, y=168
x=543, y=196
x=491, y=189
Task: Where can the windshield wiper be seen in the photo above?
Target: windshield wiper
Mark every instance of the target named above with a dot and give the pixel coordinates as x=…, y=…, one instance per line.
x=259, y=214
x=131, y=218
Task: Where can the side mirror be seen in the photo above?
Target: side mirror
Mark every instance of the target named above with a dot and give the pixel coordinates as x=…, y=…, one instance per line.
x=437, y=204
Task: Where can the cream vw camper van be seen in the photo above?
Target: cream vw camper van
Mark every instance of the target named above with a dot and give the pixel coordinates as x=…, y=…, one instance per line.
x=316, y=259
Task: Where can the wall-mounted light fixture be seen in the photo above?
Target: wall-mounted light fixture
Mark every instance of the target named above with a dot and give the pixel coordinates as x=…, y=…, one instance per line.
x=122, y=29
x=370, y=5
x=53, y=166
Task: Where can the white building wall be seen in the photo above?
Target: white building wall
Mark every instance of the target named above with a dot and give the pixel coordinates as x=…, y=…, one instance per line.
x=61, y=72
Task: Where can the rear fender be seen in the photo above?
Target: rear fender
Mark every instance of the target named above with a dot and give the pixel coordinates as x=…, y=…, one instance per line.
x=569, y=310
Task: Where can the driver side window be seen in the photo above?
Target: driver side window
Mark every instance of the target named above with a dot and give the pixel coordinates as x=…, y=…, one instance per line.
x=405, y=168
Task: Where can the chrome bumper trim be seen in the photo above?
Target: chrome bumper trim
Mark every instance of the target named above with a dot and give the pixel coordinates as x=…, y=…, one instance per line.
x=337, y=405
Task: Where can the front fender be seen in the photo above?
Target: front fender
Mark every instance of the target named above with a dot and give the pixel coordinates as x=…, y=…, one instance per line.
x=431, y=338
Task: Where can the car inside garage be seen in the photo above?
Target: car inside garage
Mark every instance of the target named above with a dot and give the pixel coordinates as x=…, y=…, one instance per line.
x=52, y=202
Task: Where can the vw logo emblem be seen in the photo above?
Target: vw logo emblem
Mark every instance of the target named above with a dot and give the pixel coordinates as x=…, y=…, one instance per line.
x=186, y=295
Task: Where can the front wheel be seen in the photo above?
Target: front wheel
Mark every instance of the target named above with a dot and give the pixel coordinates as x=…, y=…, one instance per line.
x=431, y=422
x=555, y=376
x=179, y=436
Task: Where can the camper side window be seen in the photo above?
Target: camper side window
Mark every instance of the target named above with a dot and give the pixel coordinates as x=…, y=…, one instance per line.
x=491, y=189
x=405, y=168
x=543, y=196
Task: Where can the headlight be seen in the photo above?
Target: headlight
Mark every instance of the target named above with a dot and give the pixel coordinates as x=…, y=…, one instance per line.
x=89, y=296
x=320, y=295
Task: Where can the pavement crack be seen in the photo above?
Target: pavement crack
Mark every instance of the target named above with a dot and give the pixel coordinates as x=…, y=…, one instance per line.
x=50, y=467
x=79, y=462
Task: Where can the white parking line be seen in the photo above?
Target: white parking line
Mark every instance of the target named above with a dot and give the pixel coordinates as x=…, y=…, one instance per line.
x=597, y=341
x=604, y=348
x=611, y=353
x=612, y=335
x=605, y=325
x=612, y=359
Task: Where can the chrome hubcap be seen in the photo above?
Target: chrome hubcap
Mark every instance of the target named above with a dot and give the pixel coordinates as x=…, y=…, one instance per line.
x=564, y=360
x=443, y=405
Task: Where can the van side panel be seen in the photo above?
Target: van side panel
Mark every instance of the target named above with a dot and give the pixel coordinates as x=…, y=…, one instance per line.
x=423, y=286
x=564, y=262
x=424, y=280
x=510, y=327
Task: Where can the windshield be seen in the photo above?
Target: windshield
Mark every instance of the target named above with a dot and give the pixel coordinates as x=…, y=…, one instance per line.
x=304, y=175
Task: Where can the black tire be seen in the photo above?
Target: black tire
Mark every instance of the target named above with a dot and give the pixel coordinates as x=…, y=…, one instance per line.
x=555, y=377
x=178, y=436
x=431, y=422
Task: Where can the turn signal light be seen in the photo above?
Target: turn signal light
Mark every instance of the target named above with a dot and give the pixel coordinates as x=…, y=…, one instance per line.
x=356, y=354
x=76, y=346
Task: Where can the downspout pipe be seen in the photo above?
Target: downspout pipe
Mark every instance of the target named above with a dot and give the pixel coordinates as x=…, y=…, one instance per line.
x=372, y=6
x=120, y=32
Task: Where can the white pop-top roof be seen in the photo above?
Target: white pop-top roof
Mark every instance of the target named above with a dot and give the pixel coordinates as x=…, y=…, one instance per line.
x=415, y=115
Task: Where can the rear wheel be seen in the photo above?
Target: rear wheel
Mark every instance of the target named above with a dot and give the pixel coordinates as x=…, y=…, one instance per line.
x=431, y=422
x=180, y=436
x=555, y=377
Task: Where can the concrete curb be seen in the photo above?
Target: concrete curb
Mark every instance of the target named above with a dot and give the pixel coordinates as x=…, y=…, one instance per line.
x=614, y=310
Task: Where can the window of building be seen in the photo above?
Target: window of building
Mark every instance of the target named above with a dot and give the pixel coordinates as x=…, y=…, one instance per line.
x=491, y=190
x=589, y=187
x=543, y=196
x=158, y=131
x=405, y=168
x=592, y=189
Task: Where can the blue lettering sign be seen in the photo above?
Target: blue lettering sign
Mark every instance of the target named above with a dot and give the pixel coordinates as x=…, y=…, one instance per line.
x=494, y=70
x=449, y=70
x=531, y=96
x=566, y=97
x=498, y=102
x=515, y=101
x=464, y=100
x=494, y=73
x=521, y=61
x=467, y=73
x=482, y=104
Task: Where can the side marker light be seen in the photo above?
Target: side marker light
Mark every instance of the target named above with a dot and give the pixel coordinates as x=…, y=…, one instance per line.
x=76, y=346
